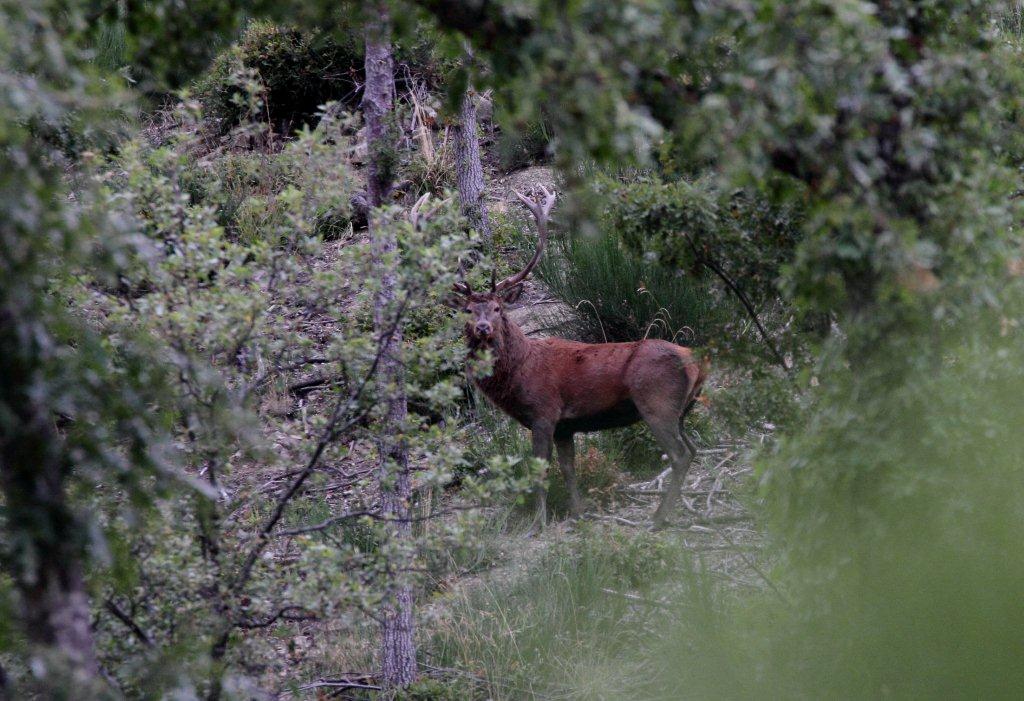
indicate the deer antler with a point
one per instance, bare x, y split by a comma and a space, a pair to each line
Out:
541, 210
414, 213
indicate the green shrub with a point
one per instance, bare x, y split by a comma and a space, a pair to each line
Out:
332, 223
295, 73
596, 474
633, 449
619, 295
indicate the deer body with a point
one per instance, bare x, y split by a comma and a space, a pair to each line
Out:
558, 388
584, 387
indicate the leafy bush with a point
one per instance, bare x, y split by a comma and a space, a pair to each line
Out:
295, 72
684, 223
247, 189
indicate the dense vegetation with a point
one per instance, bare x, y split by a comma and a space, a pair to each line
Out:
198, 442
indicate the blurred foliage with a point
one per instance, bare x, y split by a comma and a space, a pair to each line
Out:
895, 519
77, 411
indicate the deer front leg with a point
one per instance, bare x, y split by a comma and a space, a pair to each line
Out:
566, 446
543, 434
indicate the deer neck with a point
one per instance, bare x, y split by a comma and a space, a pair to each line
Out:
509, 356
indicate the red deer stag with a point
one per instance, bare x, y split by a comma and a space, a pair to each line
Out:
557, 388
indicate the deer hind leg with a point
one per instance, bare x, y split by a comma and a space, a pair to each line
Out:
566, 446
665, 425
681, 452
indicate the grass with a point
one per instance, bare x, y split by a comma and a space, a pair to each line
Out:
557, 632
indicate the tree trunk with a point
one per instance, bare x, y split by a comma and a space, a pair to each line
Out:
469, 172
44, 560
398, 648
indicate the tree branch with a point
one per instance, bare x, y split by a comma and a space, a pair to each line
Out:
742, 297
111, 606
328, 435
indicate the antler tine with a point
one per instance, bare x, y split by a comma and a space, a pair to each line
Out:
541, 210
414, 213
462, 286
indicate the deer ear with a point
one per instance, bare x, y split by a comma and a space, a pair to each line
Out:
512, 294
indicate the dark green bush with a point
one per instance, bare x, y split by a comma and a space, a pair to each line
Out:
527, 144
620, 295
296, 72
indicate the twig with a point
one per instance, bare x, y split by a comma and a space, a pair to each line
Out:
636, 598
755, 567
338, 684
129, 622
329, 434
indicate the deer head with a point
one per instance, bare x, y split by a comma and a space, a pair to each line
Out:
485, 309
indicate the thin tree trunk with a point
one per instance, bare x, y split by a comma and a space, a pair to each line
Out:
469, 172
45, 563
398, 648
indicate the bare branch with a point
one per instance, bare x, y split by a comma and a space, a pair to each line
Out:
744, 300
330, 432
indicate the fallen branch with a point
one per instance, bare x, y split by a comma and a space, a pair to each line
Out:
340, 684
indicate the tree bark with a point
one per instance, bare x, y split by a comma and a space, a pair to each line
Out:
469, 172
398, 648
44, 558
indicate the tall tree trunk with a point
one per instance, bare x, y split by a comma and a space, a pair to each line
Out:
44, 560
398, 647
469, 172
